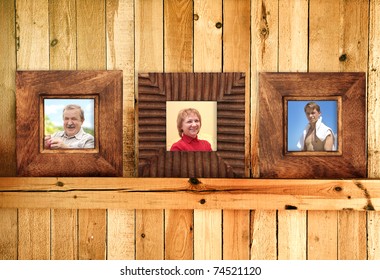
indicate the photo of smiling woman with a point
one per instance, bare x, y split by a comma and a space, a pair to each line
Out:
189, 123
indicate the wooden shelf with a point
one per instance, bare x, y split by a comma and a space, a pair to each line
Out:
184, 193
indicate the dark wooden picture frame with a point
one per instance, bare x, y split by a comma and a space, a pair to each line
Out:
349, 91
105, 87
227, 89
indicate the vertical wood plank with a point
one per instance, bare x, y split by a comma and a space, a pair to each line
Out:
323, 56
34, 234
264, 231
179, 234
292, 235
7, 89
92, 234
8, 234
207, 235
62, 32
264, 57
91, 55
338, 42
236, 55
149, 235
32, 34
91, 41
8, 217
64, 234
322, 235
32, 28
149, 58
352, 233
373, 94
121, 234
207, 36
208, 58
293, 52
236, 231
149, 32
120, 55
178, 37
373, 97
293, 39
373, 235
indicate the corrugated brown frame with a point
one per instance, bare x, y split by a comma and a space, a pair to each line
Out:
33, 86
227, 89
275, 162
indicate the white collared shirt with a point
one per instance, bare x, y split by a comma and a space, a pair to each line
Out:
79, 141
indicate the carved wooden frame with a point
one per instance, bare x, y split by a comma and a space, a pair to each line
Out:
227, 89
105, 87
348, 89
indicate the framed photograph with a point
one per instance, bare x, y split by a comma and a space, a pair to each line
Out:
312, 125
69, 123
191, 125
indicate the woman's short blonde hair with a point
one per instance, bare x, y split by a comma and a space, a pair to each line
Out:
182, 114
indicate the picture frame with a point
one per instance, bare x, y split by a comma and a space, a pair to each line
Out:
348, 90
104, 88
226, 89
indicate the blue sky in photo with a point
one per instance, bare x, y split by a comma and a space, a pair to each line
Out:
53, 108
297, 120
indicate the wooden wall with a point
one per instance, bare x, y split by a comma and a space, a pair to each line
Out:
185, 36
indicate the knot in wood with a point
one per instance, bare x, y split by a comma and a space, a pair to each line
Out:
338, 189
54, 42
202, 201
59, 184
195, 16
343, 57
218, 25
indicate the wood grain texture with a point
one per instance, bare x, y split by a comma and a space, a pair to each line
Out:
178, 36
264, 235
291, 235
236, 55
322, 235
120, 234
33, 234
207, 235
179, 234
92, 234
373, 226
8, 217
120, 55
32, 33
142, 193
105, 87
373, 97
228, 89
64, 234
7, 88
236, 235
149, 31
149, 235
91, 54
8, 234
62, 34
352, 234
179, 224
373, 129
292, 57
91, 42
275, 162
